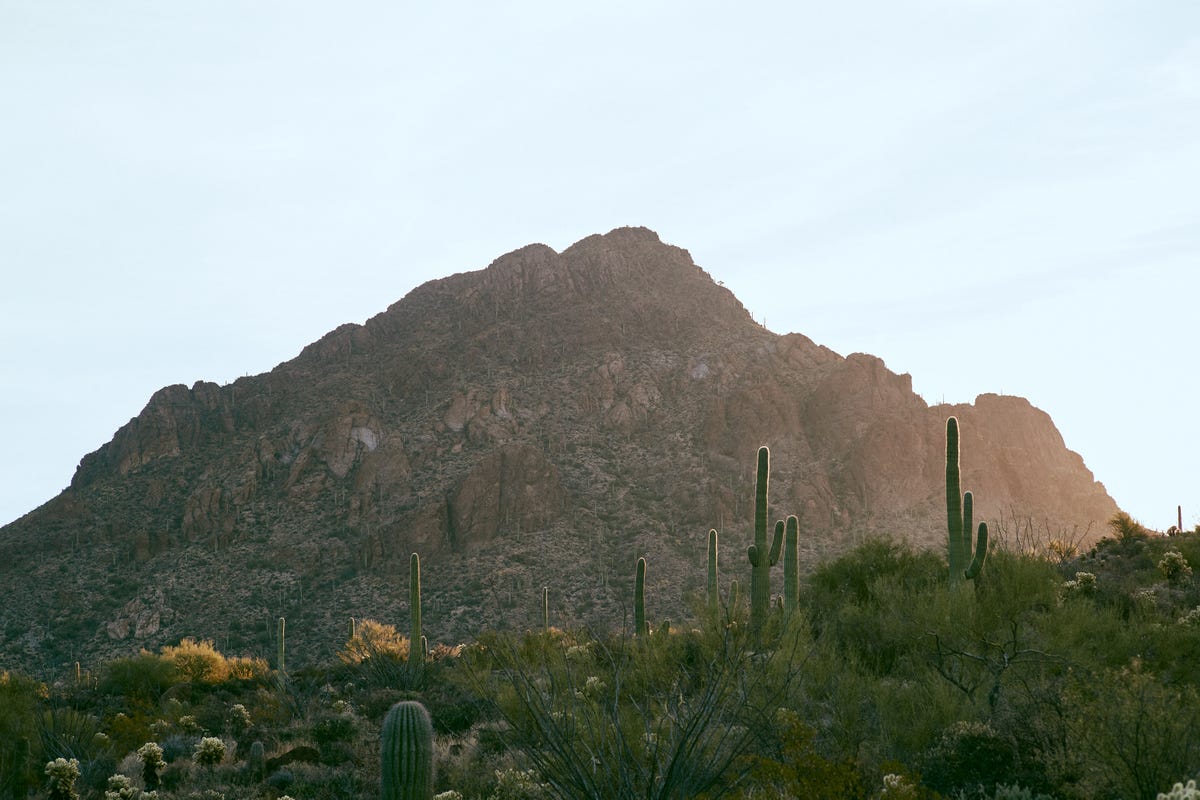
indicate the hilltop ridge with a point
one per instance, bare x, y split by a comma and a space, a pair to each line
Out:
541, 421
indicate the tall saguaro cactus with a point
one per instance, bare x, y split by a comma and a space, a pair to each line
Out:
761, 560
279, 663
713, 592
963, 562
406, 763
545, 609
415, 656
791, 567
639, 600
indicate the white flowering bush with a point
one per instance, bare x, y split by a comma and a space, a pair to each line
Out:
448, 795
209, 751
1181, 792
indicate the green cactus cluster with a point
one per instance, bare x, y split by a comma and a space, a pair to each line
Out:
406, 757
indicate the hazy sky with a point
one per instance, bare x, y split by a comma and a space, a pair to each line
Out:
992, 195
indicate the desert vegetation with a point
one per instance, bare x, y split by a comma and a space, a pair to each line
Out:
999, 671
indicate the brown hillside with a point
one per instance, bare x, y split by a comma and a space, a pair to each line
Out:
543, 421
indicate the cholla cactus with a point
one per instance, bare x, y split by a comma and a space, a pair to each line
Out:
1174, 566
63, 773
1084, 584
516, 784
898, 787
209, 751
1181, 792
239, 719
1191, 618
152, 764
120, 788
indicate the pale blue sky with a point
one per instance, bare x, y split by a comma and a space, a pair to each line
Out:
992, 195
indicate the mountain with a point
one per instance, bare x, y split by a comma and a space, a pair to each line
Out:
543, 421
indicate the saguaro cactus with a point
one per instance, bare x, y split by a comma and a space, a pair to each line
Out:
791, 567
761, 560
279, 662
640, 628
256, 762
546, 608
713, 592
406, 763
415, 656
963, 563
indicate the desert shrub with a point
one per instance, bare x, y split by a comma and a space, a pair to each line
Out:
518, 784
969, 755
20, 699
787, 764
1130, 733
198, 662
620, 724
143, 677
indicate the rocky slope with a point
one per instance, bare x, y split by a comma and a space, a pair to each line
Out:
543, 421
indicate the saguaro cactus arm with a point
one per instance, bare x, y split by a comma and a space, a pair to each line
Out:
791, 566
981, 547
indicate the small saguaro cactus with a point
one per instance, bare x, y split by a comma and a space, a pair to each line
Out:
279, 644
415, 655
353, 629
791, 567
406, 762
639, 600
545, 608
761, 560
256, 762
713, 592
963, 563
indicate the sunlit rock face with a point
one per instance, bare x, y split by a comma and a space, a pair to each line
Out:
541, 422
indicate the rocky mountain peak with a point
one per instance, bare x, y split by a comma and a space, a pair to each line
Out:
539, 422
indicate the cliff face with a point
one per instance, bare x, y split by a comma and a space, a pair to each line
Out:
540, 422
